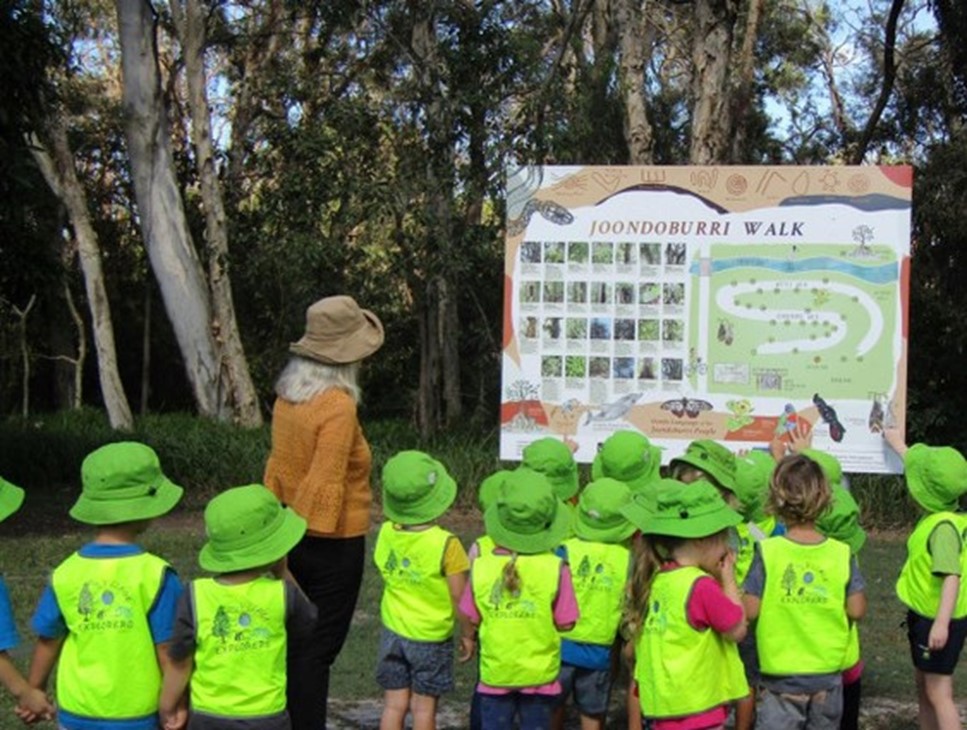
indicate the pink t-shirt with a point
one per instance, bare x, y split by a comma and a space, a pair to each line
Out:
708, 608
565, 612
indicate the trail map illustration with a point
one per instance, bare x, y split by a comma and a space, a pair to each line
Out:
732, 303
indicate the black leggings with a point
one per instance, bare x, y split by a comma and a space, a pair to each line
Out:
330, 571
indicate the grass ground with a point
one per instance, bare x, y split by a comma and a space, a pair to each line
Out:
30, 547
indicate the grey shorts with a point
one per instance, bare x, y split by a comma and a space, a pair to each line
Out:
591, 689
790, 711
425, 667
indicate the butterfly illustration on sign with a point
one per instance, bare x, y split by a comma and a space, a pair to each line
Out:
683, 406
828, 414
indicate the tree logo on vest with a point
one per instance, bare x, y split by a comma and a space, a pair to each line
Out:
240, 627
596, 578
656, 620
803, 583
105, 607
401, 569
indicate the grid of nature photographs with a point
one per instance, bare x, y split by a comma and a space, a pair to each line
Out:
610, 310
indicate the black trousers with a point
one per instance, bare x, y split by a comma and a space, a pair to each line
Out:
330, 571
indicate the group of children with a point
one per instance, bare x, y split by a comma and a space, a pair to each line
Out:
727, 584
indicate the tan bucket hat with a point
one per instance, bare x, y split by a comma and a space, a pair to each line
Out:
339, 331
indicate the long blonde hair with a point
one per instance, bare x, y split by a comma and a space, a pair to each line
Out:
303, 379
649, 552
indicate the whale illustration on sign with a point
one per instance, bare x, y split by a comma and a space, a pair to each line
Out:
615, 410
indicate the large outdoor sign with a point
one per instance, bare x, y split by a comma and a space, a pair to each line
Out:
731, 303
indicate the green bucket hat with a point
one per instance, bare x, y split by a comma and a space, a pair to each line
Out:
629, 457
527, 517
553, 459
713, 459
842, 520
689, 511
123, 482
416, 488
248, 527
936, 476
489, 487
752, 474
11, 497
599, 515
830, 465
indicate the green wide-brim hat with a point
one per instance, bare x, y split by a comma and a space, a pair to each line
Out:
629, 457
553, 458
752, 474
416, 488
598, 516
842, 520
713, 459
832, 469
690, 510
11, 497
248, 528
936, 476
123, 482
527, 517
489, 487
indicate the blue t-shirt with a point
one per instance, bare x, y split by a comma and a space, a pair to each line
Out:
9, 638
48, 622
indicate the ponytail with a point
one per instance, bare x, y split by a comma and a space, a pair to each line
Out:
511, 578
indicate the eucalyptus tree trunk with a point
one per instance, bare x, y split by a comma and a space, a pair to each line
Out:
634, 52
190, 24
713, 28
440, 353
743, 86
57, 167
161, 211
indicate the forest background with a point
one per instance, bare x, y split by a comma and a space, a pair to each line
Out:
179, 180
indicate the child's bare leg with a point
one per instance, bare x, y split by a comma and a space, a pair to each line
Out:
939, 689
745, 712
634, 708
593, 722
423, 708
396, 702
557, 718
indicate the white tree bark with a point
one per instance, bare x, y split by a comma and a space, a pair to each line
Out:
190, 24
713, 29
631, 73
57, 167
161, 211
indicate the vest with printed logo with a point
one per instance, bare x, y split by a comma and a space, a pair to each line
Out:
519, 643
803, 627
918, 588
416, 600
600, 574
240, 647
682, 671
108, 666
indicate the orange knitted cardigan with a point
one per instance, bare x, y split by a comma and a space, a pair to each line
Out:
320, 463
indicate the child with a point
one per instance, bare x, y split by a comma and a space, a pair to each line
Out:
805, 589
32, 703
520, 595
109, 609
841, 522
232, 629
600, 552
930, 583
552, 458
424, 571
685, 613
629, 457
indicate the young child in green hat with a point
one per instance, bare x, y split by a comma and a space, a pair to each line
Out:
552, 458
684, 615
841, 522
601, 554
107, 613
424, 570
931, 583
232, 630
629, 457
520, 595
804, 589
32, 702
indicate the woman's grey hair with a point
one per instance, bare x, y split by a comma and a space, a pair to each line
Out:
303, 379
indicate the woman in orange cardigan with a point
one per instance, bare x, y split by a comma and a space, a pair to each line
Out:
319, 466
